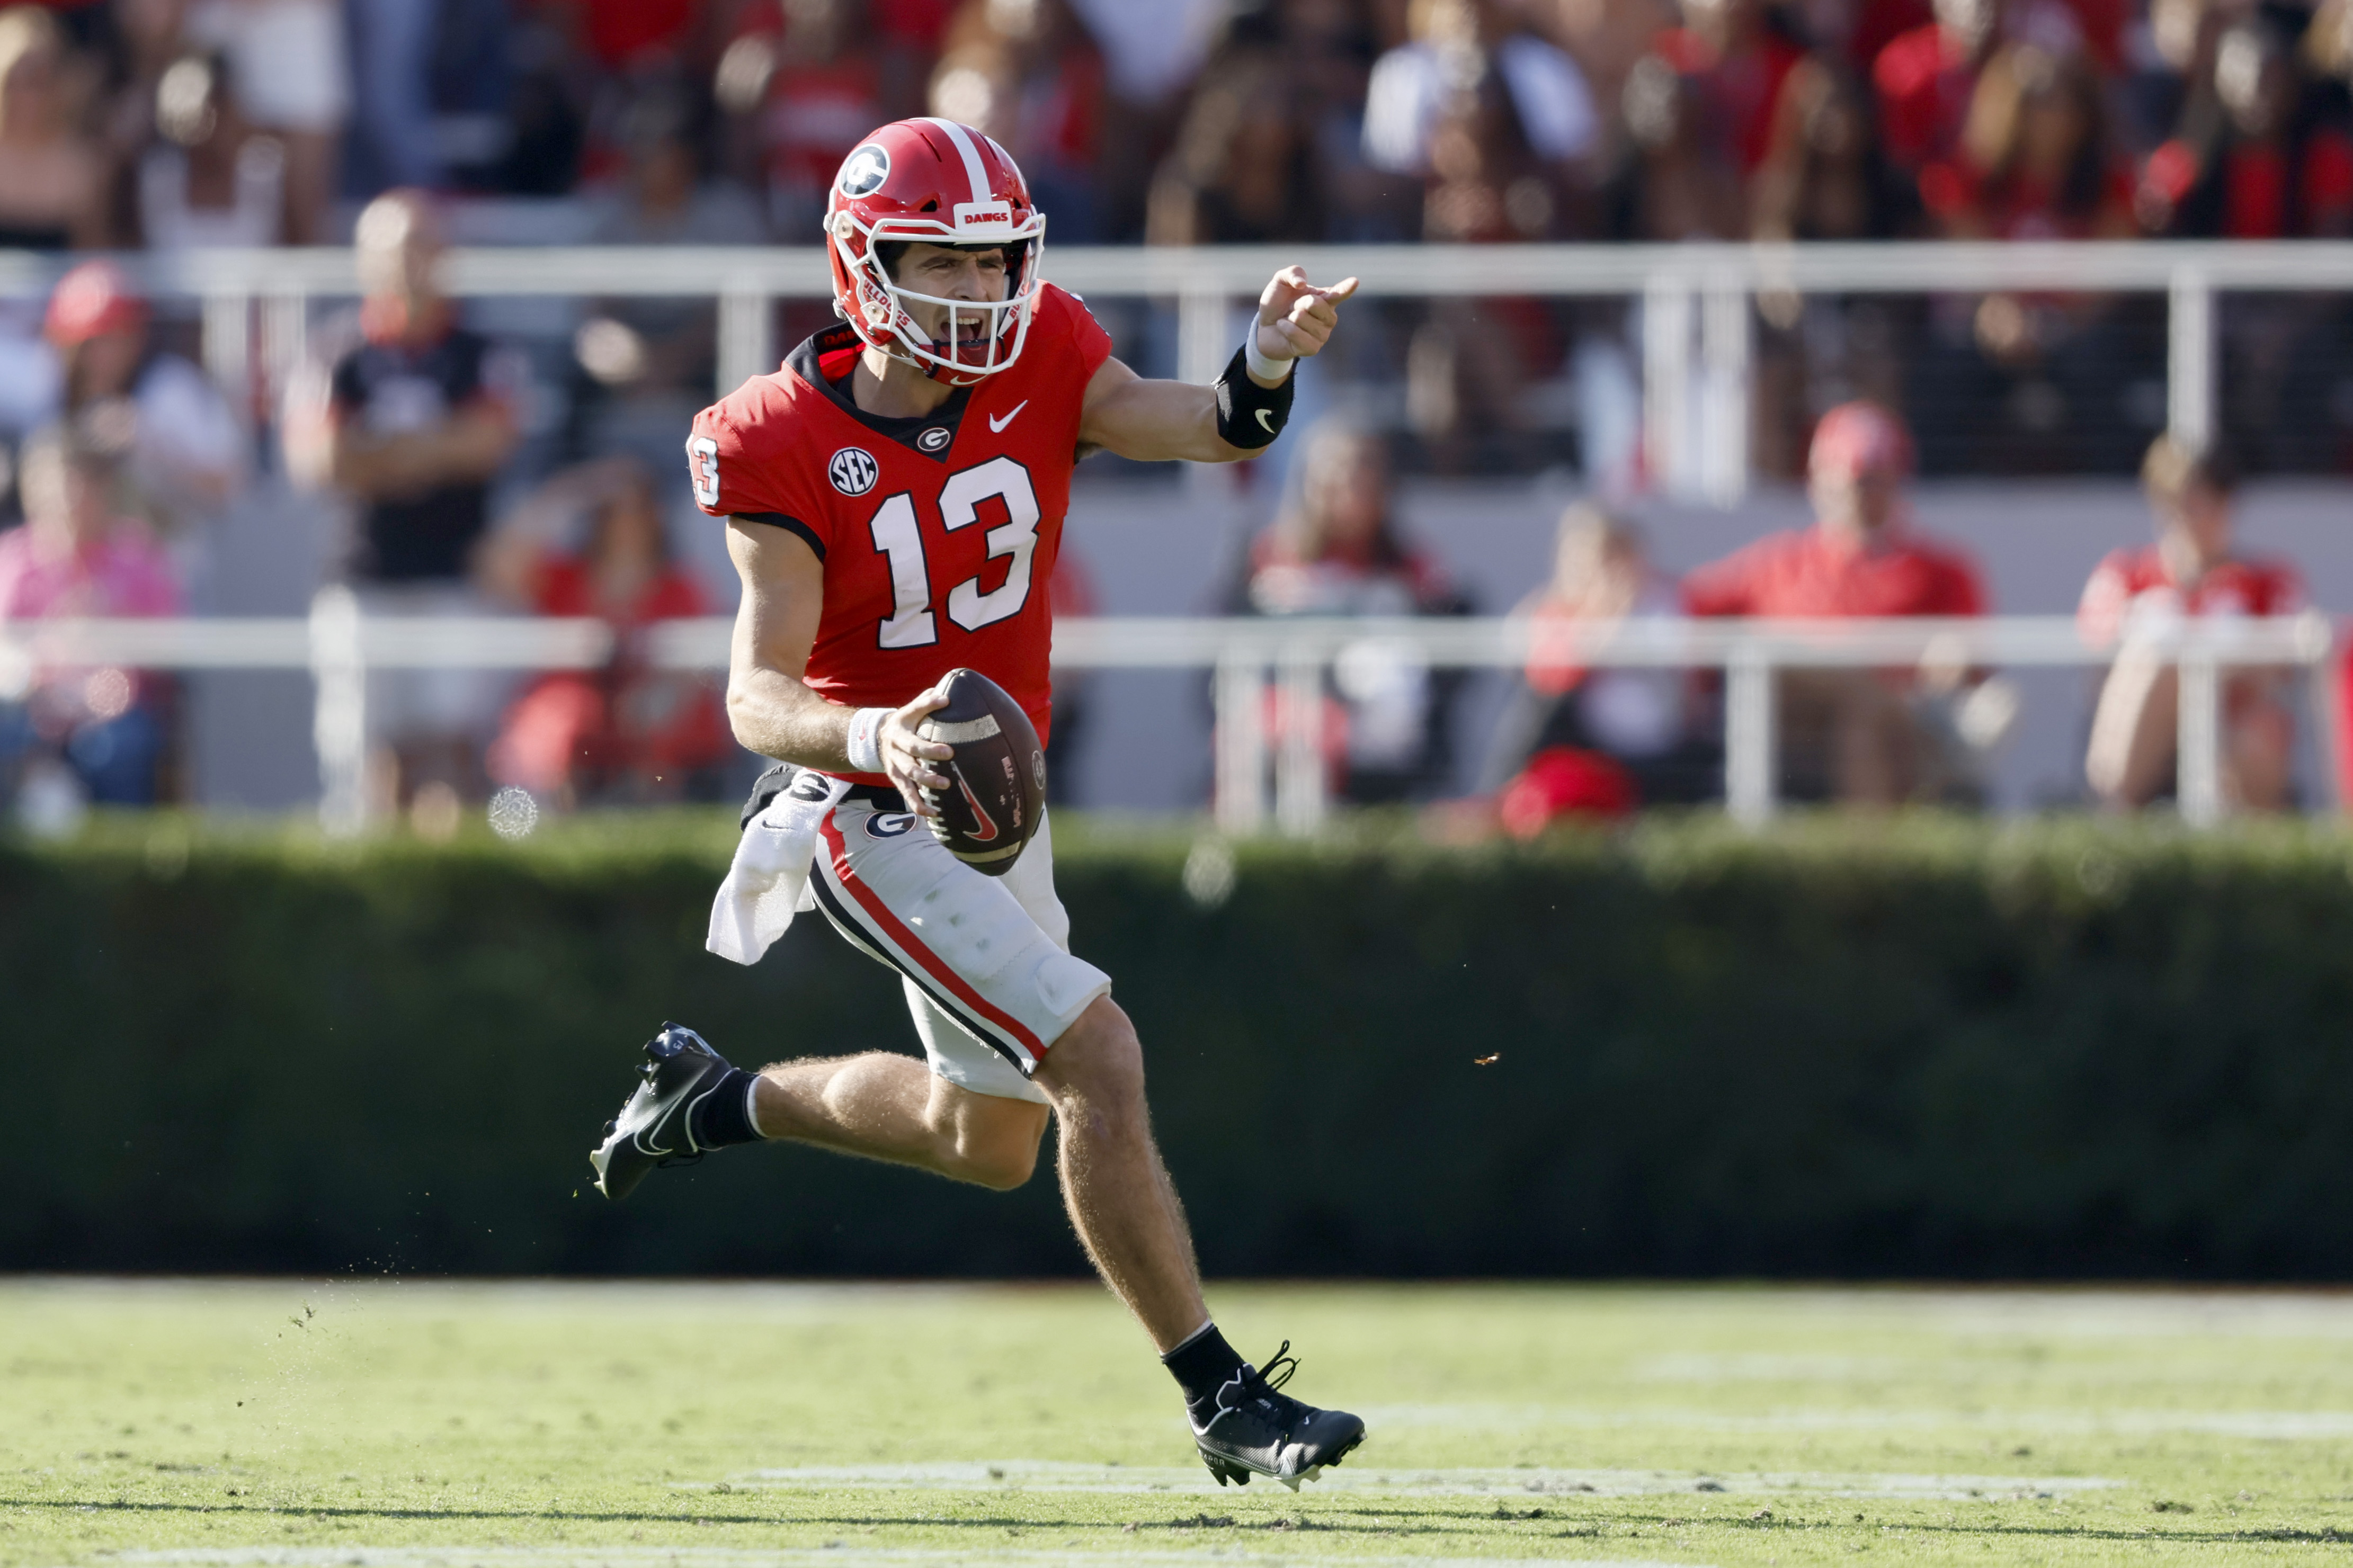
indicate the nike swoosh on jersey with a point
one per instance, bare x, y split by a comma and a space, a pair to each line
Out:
1264, 423
996, 426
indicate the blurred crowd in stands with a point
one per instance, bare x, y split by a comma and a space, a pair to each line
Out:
1579, 741
173, 122
483, 472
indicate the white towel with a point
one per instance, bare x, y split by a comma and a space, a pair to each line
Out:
768, 882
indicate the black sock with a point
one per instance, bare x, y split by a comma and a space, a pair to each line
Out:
1202, 1365
723, 1116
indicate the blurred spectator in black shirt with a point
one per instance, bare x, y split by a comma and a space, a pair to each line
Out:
417, 419
2243, 163
53, 183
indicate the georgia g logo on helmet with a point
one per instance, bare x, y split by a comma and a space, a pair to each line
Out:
933, 182
863, 172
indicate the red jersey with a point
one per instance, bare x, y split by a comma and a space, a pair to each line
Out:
1744, 90
1924, 87
565, 585
939, 534
1804, 574
2134, 582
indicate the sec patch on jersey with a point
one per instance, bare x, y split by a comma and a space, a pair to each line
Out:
996, 779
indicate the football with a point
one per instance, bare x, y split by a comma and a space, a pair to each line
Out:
997, 780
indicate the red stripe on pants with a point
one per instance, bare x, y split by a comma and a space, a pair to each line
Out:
914, 947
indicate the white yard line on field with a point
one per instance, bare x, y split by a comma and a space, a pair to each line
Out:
834, 1555
1045, 1475
2302, 1424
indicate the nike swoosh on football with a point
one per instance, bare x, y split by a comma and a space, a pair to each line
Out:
996, 425
985, 826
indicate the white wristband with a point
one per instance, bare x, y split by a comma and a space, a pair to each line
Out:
865, 746
1259, 365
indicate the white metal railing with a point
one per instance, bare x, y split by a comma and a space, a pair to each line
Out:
338, 645
1696, 328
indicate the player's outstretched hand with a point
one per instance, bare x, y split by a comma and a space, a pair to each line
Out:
907, 756
1296, 317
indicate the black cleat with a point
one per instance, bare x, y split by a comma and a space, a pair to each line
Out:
1258, 1431
653, 1129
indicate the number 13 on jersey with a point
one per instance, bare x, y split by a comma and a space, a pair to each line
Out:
899, 537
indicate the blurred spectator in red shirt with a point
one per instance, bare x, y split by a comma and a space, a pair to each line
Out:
1638, 724
628, 731
1859, 30
1925, 79
76, 556
1853, 735
812, 91
1739, 67
1335, 551
2037, 160
2239, 166
53, 185
1025, 72
2136, 597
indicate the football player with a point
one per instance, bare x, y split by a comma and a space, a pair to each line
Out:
894, 497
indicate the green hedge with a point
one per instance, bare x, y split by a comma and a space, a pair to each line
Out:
1912, 1047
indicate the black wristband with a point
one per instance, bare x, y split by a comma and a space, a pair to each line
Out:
1251, 415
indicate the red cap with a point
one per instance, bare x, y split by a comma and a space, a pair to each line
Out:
94, 298
1857, 438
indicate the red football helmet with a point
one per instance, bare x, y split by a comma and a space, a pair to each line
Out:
944, 184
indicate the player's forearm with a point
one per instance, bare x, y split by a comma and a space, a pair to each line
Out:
779, 717
1162, 422
470, 448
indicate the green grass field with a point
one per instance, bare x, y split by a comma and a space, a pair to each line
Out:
429, 1425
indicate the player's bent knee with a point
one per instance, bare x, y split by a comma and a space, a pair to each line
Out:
1098, 1060
994, 1142
1001, 1169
